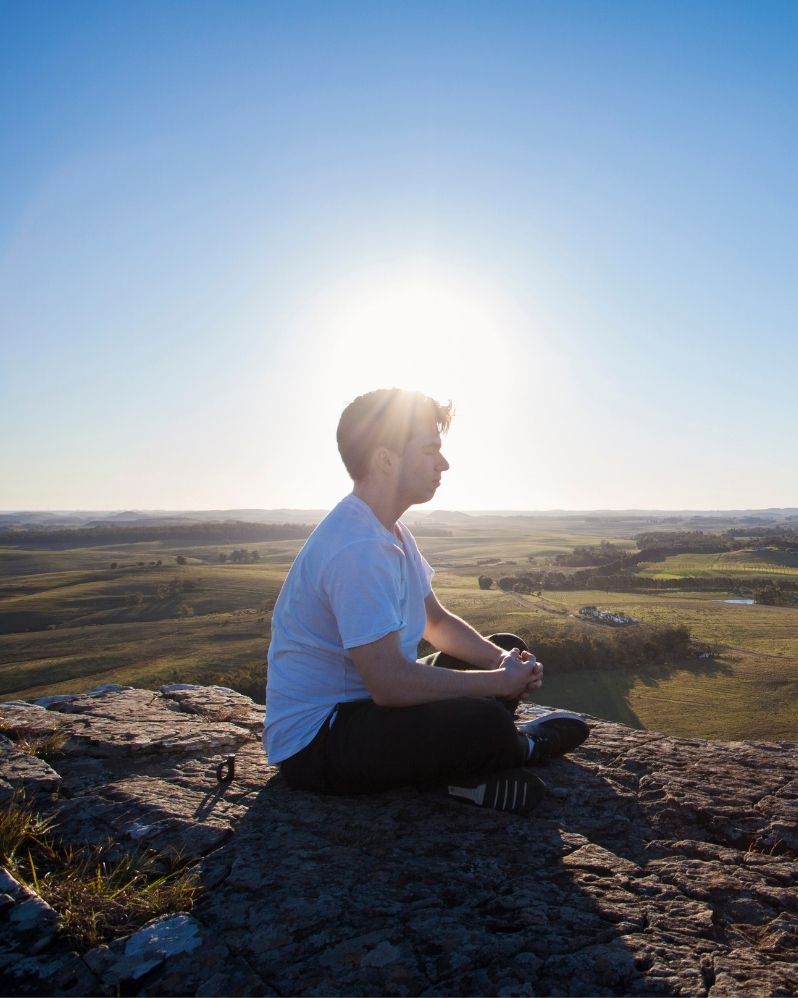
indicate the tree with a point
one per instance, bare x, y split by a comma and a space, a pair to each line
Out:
180, 560
770, 594
485, 581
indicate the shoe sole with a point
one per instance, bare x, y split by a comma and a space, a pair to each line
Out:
553, 715
568, 732
515, 791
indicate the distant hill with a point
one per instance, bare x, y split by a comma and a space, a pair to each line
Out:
127, 532
152, 518
449, 516
713, 519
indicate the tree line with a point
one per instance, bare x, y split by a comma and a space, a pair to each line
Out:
660, 543
234, 531
571, 646
564, 646
535, 581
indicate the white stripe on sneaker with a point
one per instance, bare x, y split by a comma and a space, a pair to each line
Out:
476, 794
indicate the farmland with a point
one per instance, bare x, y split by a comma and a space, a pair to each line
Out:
172, 610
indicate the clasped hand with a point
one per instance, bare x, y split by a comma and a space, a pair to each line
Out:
523, 672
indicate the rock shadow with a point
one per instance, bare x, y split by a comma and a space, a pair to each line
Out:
634, 876
407, 893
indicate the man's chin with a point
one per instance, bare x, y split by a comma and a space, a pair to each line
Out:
425, 497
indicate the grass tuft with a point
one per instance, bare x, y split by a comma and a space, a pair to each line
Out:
97, 895
21, 828
47, 746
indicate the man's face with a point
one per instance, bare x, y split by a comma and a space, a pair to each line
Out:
421, 466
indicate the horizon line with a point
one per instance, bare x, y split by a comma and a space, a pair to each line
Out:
436, 509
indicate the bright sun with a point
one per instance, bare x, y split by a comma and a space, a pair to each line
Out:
447, 331
422, 327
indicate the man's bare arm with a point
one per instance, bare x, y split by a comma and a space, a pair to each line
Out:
394, 681
449, 633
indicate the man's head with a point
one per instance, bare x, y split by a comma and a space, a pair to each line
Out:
386, 418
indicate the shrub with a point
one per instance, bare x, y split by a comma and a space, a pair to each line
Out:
573, 646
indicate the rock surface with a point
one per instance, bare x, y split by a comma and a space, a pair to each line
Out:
655, 865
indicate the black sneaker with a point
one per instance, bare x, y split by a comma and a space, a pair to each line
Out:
513, 790
553, 735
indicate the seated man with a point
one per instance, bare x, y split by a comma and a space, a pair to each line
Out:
349, 708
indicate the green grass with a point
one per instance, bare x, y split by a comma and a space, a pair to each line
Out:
512, 547
742, 564
95, 636
72, 627
731, 698
749, 691
215, 648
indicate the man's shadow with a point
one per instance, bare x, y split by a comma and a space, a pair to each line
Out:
410, 893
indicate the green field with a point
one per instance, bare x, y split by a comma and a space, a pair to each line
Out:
767, 563
68, 621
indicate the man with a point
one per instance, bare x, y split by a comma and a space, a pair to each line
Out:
349, 708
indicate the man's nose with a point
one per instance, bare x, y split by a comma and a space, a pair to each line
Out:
443, 464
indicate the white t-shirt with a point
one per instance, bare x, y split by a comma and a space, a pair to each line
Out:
352, 583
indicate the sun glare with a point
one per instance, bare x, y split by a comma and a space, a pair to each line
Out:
449, 332
424, 328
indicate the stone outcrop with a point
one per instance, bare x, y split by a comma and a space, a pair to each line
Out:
655, 865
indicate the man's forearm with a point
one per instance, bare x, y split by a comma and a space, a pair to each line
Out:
450, 634
415, 683
394, 681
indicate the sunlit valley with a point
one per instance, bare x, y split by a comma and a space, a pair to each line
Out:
685, 623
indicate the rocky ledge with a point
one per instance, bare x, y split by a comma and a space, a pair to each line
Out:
655, 865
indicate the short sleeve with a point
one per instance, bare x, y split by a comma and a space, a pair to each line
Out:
423, 568
363, 583
427, 572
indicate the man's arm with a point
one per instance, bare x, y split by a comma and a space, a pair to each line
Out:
394, 681
449, 633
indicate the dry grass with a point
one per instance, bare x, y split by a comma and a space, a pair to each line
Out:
97, 897
21, 828
44, 746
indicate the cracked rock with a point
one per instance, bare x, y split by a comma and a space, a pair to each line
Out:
653, 866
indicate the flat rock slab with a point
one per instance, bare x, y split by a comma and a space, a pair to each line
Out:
21, 772
654, 865
29, 924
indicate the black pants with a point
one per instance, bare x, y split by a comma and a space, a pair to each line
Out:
364, 748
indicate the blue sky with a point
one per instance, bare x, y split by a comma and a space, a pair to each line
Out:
219, 222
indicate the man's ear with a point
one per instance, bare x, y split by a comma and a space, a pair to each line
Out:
383, 459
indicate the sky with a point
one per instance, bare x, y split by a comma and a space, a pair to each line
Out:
222, 221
